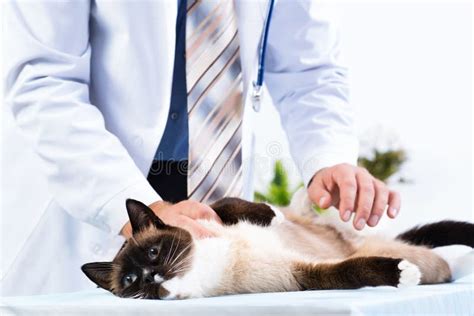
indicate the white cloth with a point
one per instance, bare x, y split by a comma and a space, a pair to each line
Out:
442, 299
87, 96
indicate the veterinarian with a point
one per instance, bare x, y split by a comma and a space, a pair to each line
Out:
152, 100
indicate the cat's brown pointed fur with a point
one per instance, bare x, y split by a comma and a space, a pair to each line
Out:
259, 250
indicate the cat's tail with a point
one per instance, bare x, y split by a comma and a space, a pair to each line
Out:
442, 233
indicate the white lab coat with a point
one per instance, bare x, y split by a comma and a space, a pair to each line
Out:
87, 87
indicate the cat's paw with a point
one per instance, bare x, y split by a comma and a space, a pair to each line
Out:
168, 293
410, 274
279, 216
179, 288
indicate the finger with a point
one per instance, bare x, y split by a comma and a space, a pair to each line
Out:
193, 227
365, 200
380, 202
318, 193
394, 203
208, 213
347, 185
196, 210
191, 209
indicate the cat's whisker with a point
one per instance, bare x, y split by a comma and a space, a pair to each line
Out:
181, 253
172, 269
171, 249
136, 294
168, 257
178, 266
177, 246
181, 269
181, 266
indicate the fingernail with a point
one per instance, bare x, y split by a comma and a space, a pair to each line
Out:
393, 211
346, 216
360, 224
322, 201
373, 220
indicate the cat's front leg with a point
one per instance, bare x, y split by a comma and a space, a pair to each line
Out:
355, 273
233, 210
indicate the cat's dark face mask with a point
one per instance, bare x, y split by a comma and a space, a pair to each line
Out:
156, 252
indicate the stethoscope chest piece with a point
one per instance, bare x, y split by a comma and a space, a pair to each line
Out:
256, 97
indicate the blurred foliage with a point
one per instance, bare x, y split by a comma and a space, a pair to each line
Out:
382, 165
278, 191
385, 164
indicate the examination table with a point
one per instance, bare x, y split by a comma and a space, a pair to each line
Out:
456, 298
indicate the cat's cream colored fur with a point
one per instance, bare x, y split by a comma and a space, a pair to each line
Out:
249, 258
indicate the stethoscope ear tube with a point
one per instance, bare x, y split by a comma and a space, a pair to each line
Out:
257, 84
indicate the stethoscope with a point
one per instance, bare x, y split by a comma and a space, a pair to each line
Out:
258, 83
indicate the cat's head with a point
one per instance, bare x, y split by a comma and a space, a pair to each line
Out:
155, 253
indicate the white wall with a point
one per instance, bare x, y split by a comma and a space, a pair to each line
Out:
411, 75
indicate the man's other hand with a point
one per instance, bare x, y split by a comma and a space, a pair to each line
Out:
353, 190
183, 215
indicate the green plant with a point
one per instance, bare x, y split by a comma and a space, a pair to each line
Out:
278, 191
385, 164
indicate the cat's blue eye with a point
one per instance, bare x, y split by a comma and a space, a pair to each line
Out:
129, 279
153, 253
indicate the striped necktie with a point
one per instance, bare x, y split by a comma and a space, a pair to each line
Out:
215, 107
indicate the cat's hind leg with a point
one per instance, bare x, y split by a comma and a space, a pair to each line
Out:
434, 269
355, 273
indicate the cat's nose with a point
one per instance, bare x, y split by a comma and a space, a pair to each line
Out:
148, 276
147, 279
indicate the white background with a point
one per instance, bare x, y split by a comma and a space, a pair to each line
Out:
411, 81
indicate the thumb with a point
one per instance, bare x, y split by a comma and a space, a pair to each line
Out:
319, 195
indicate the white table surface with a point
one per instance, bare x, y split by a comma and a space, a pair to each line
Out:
455, 298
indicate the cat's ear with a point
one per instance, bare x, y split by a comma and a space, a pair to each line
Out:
100, 273
141, 216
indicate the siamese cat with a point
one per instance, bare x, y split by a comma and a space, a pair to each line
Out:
260, 249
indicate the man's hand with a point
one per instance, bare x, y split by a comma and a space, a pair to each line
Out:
183, 215
353, 189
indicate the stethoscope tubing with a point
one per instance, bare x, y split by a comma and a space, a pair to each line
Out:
257, 84
263, 45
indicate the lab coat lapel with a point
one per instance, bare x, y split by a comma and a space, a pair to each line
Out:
250, 16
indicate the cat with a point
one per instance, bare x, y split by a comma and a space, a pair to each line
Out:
261, 249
